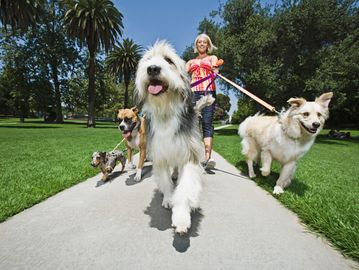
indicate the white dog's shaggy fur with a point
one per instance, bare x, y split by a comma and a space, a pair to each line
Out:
285, 138
174, 141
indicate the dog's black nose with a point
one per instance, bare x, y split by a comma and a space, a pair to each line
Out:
153, 70
316, 124
122, 127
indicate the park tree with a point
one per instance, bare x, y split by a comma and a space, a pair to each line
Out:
245, 108
223, 105
122, 62
55, 52
47, 58
299, 48
19, 14
16, 78
96, 23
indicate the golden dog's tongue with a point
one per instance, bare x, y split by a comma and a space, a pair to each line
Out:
154, 89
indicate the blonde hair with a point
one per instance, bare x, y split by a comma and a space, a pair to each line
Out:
211, 47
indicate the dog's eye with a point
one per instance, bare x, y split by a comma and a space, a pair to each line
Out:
306, 114
169, 61
319, 114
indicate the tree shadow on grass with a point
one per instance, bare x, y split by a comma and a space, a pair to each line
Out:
323, 139
43, 124
161, 220
27, 127
268, 183
227, 131
103, 127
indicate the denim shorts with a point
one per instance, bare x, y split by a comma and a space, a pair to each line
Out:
207, 113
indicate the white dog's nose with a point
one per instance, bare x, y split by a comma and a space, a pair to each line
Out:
153, 70
316, 125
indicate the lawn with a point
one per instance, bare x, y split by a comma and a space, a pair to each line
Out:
39, 159
325, 190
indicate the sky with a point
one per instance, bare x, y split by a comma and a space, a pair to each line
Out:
176, 21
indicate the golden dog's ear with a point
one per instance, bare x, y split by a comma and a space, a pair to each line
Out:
119, 113
134, 109
296, 101
324, 99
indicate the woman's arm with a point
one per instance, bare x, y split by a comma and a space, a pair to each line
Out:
214, 60
188, 65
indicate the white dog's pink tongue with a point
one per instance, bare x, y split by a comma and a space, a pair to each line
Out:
154, 89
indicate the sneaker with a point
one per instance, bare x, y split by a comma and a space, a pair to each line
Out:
210, 164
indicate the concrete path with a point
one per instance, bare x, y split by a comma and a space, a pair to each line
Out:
121, 225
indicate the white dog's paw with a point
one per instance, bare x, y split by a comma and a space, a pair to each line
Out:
252, 175
166, 202
181, 221
277, 190
265, 173
138, 175
131, 166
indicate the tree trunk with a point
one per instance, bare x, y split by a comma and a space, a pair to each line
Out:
59, 116
127, 83
23, 109
91, 91
126, 96
55, 76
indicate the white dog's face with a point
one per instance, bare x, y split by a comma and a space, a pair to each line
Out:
160, 72
311, 115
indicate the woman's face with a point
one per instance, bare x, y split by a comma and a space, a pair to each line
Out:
202, 45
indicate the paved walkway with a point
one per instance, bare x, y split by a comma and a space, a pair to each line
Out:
121, 225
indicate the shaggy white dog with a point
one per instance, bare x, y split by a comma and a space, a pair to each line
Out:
174, 141
285, 138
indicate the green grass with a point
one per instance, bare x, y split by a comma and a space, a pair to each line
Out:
325, 190
39, 159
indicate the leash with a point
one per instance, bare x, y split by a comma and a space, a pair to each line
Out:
240, 88
118, 144
244, 91
213, 75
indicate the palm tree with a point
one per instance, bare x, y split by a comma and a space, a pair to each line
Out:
97, 23
19, 14
122, 62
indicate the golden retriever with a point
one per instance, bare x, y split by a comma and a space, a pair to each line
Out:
285, 138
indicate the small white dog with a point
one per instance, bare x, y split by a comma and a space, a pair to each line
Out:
174, 141
285, 138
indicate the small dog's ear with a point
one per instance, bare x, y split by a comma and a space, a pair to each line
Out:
324, 99
296, 101
134, 109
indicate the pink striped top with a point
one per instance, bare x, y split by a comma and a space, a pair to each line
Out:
200, 71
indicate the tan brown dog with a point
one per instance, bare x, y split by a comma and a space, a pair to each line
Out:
133, 130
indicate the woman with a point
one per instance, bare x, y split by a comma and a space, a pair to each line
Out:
199, 68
